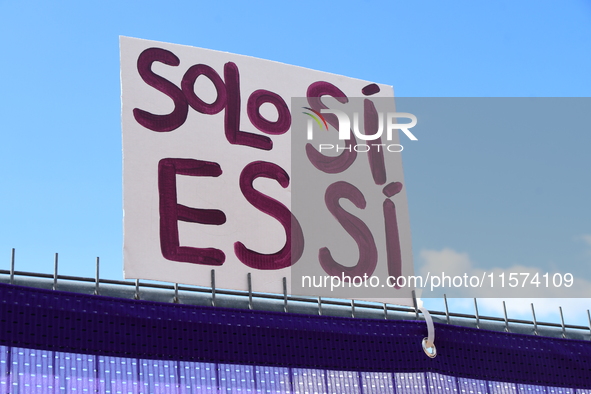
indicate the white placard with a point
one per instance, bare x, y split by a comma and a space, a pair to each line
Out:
196, 124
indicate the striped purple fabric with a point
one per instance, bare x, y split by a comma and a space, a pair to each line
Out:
101, 344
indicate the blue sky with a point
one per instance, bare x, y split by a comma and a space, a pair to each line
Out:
60, 111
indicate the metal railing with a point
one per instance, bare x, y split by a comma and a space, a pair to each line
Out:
212, 296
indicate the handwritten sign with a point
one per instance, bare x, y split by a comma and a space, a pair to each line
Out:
209, 148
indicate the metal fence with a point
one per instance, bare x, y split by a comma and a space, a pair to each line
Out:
212, 296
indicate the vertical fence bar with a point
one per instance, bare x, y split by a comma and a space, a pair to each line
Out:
212, 287
12, 267
562, 321
55, 272
320, 309
249, 279
175, 299
476, 313
533, 312
446, 308
284, 294
136, 296
415, 305
96, 282
506, 318
353, 308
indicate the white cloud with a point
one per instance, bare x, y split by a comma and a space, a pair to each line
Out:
586, 238
546, 300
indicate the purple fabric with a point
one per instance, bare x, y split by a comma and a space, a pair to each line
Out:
95, 325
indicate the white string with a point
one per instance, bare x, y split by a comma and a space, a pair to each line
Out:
429, 342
